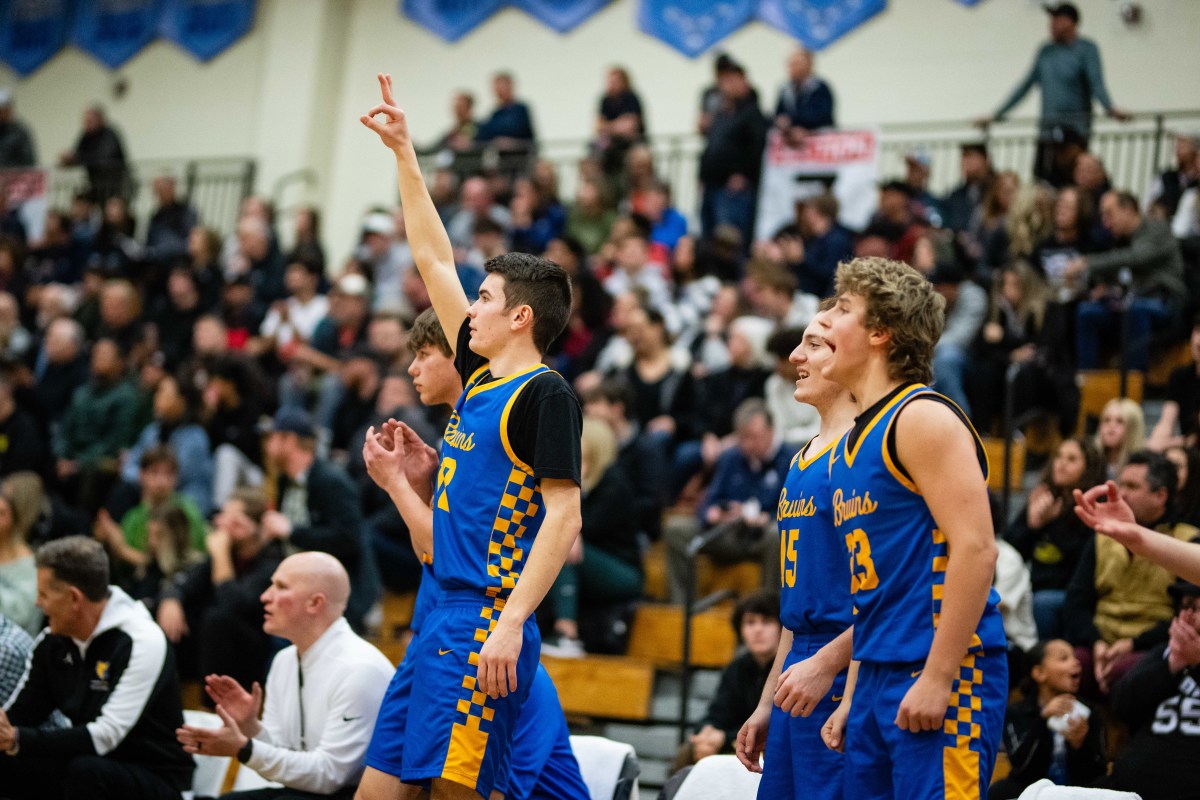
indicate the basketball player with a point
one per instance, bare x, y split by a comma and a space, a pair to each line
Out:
506, 504
543, 764
815, 606
910, 500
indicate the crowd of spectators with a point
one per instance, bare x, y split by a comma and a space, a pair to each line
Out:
197, 402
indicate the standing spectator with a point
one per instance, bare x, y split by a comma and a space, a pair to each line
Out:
1117, 605
1168, 188
1049, 535
510, 126
1149, 256
319, 506
120, 692
18, 577
959, 207
170, 225
1157, 700
620, 121
16, 143
1068, 73
1181, 411
461, 136
732, 156
328, 672
805, 102
213, 614
176, 425
100, 152
97, 426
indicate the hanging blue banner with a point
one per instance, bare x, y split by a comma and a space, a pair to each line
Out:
31, 32
206, 28
561, 15
450, 19
693, 26
817, 23
114, 31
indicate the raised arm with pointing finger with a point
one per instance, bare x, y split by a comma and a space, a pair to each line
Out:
427, 237
1114, 518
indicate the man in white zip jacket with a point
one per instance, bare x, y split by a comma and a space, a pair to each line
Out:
323, 692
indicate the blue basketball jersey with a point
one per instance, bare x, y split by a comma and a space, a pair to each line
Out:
897, 554
487, 505
814, 579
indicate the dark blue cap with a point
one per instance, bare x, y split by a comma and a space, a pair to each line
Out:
291, 419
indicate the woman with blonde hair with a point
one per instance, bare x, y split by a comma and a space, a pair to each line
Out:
1030, 220
18, 575
605, 564
1122, 430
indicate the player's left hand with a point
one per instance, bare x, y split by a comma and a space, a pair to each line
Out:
924, 705
498, 660
801, 687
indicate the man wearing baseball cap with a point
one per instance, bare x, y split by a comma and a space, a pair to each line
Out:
1067, 72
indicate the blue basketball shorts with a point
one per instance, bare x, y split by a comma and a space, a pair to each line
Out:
955, 763
543, 764
796, 762
454, 731
386, 750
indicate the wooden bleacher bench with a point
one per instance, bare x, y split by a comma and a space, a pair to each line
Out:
654, 570
657, 636
1098, 386
397, 614
994, 447
612, 687
1170, 358
738, 578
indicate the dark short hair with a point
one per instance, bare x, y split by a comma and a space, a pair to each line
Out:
427, 331
159, 454
540, 284
1160, 471
613, 390
763, 602
253, 500
1125, 199
784, 341
485, 225
79, 561
979, 148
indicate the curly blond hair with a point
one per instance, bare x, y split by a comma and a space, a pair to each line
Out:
902, 302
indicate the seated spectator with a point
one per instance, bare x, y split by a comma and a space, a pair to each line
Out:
293, 321
120, 694
46, 516
315, 366
1049, 535
97, 426
756, 620
537, 217
805, 102
476, 202
121, 320
925, 206
966, 309
985, 241
604, 566
1015, 588
319, 506
960, 206
1049, 733
213, 614
204, 259
1157, 700
771, 291
737, 514
167, 558
1163, 198
1117, 606
1074, 220
16, 343
1029, 222
306, 239
827, 243
23, 446
590, 218
510, 126
1020, 333
258, 259
170, 224
314, 744
578, 347
240, 312
619, 122
233, 401
177, 314
664, 393
1121, 432
55, 259
1090, 176
18, 577
633, 271
1153, 293
797, 422
1181, 410
667, 224
1187, 493
722, 391
639, 176
383, 256
157, 479
175, 425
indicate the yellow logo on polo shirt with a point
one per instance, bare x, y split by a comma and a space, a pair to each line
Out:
102, 670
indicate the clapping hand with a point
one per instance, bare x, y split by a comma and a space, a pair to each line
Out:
242, 706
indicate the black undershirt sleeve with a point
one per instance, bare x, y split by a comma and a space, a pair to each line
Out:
545, 428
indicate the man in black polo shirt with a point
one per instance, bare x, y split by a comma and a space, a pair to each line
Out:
106, 666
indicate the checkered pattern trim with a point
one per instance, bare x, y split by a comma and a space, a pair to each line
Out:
472, 703
941, 554
521, 502
963, 704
